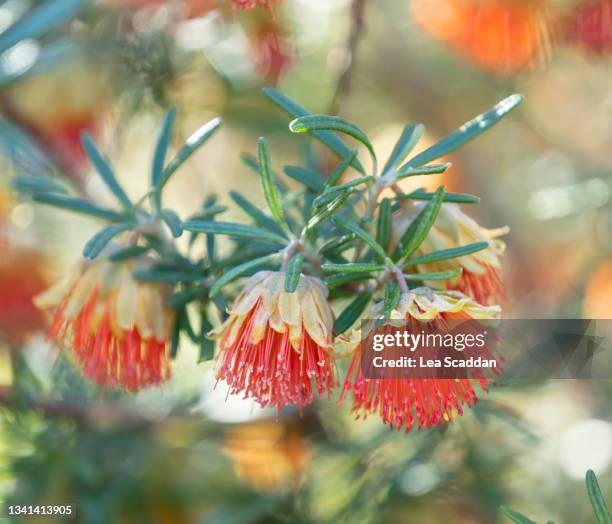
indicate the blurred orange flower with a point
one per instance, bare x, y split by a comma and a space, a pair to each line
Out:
590, 25
21, 279
598, 294
267, 456
501, 36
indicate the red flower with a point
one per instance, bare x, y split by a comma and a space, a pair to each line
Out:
429, 401
591, 25
21, 279
480, 277
275, 344
118, 328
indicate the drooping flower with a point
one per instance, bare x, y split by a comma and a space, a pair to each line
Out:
590, 26
118, 328
275, 344
480, 278
428, 401
267, 456
502, 36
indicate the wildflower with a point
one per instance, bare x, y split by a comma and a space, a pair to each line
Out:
21, 279
590, 25
429, 401
480, 278
118, 328
271, 51
267, 456
502, 36
275, 344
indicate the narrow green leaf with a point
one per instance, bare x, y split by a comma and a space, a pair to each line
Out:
185, 296
267, 182
416, 233
173, 222
437, 275
293, 272
597, 500
104, 170
30, 184
193, 143
207, 346
47, 16
128, 252
78, 206
466, 132
352, 312
446, 254
455, 198
346, 278
349, 185
354, 228
168, 275
393, 294
239, 270
310, 123
384, 224
327, 211
161, 148
336, 244
98, 242
409, 138
258, 216
515, 516
208, 212
431, 169
233, 230
341, 168
311, 179
353, 267
329, 138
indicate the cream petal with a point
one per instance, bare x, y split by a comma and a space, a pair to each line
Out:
55, 294
246, 301
82, 291
260, 325
144, 323
276, 322
313, 323
126, 302
289, 308
271, 290
295, 336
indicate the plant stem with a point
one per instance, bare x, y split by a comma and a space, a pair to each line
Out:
356, 31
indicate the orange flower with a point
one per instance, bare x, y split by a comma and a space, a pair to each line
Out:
267, 456
502, 36
275, 344
21, 279
271, 52
118, 328
480, 278
429, 401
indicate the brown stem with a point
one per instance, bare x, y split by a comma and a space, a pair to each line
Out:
356, 31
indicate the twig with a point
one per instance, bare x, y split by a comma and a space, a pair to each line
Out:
356, 31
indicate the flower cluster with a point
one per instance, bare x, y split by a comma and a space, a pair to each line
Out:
416, 257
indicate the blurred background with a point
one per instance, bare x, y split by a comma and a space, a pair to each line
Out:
185, 453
